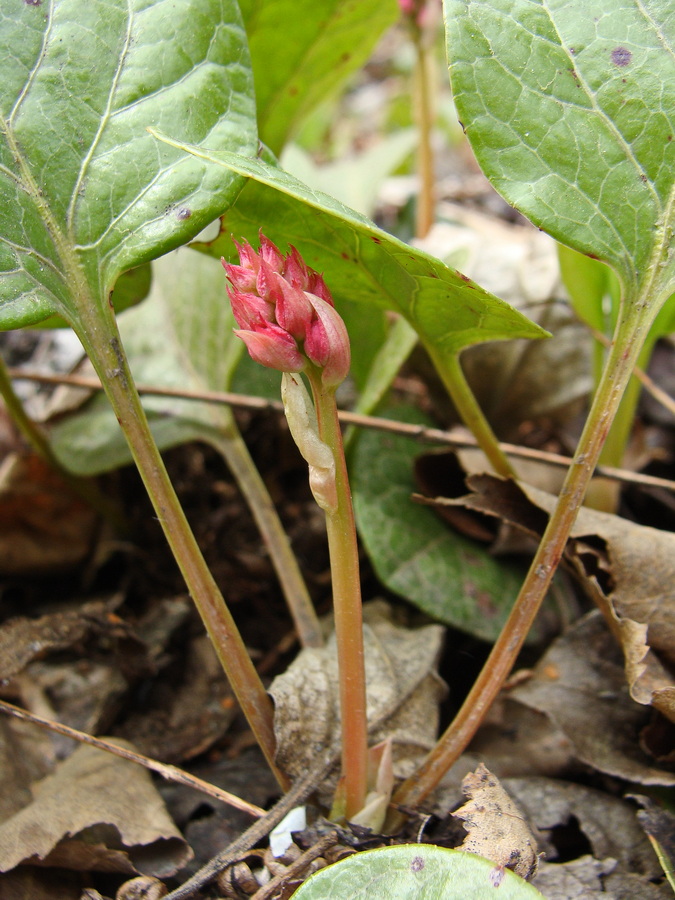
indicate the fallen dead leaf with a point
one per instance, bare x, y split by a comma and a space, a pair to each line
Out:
516, 740
579, 684
579, 879
403, 692
186, 719
659, 825
23, 639
607, 823
587, 878
627, 569
497, 827
25, 757
28, 883
95, 812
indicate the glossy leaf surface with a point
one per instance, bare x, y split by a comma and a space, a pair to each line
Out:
85, 192
414, 552
415, 872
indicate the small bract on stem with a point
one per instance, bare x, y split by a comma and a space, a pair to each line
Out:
288, 321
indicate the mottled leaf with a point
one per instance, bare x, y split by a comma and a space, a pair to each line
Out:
417, 555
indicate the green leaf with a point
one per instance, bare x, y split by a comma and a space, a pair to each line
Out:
415, 872
85, 192
415, 554
130, 288
362, 263
303, 50
570, 108
592, 287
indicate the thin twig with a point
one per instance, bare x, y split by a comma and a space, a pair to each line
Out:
170, 773
419, 433
297, 867
297, 794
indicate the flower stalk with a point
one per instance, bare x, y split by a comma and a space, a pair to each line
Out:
288, 322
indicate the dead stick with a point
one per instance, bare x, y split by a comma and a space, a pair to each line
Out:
298, 793
417, 432
297, 867
170, 773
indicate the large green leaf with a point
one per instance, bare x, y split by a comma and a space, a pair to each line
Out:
85, 191
570, 108
363, 263
414, 552
130, 288
302, 51
415, 872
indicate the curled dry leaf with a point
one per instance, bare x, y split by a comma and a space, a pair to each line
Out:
627, 569
587, 878
579, 879
497, 827
95, 812
142, 888
403, 693
580, 685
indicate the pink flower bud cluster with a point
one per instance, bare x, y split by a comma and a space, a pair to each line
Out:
285, 313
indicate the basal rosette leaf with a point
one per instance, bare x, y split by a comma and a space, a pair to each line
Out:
85, 192
570, 109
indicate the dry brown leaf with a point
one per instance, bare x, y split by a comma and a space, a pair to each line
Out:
628, 569
23, 639
516, 740
608, 823
95, 812
403, 692
579, 879
189, 717
28, 883
86, 696
25, 756
659, 824
580, 685
44, 526
497, 827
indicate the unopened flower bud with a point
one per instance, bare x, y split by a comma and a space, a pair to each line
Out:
285, 313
